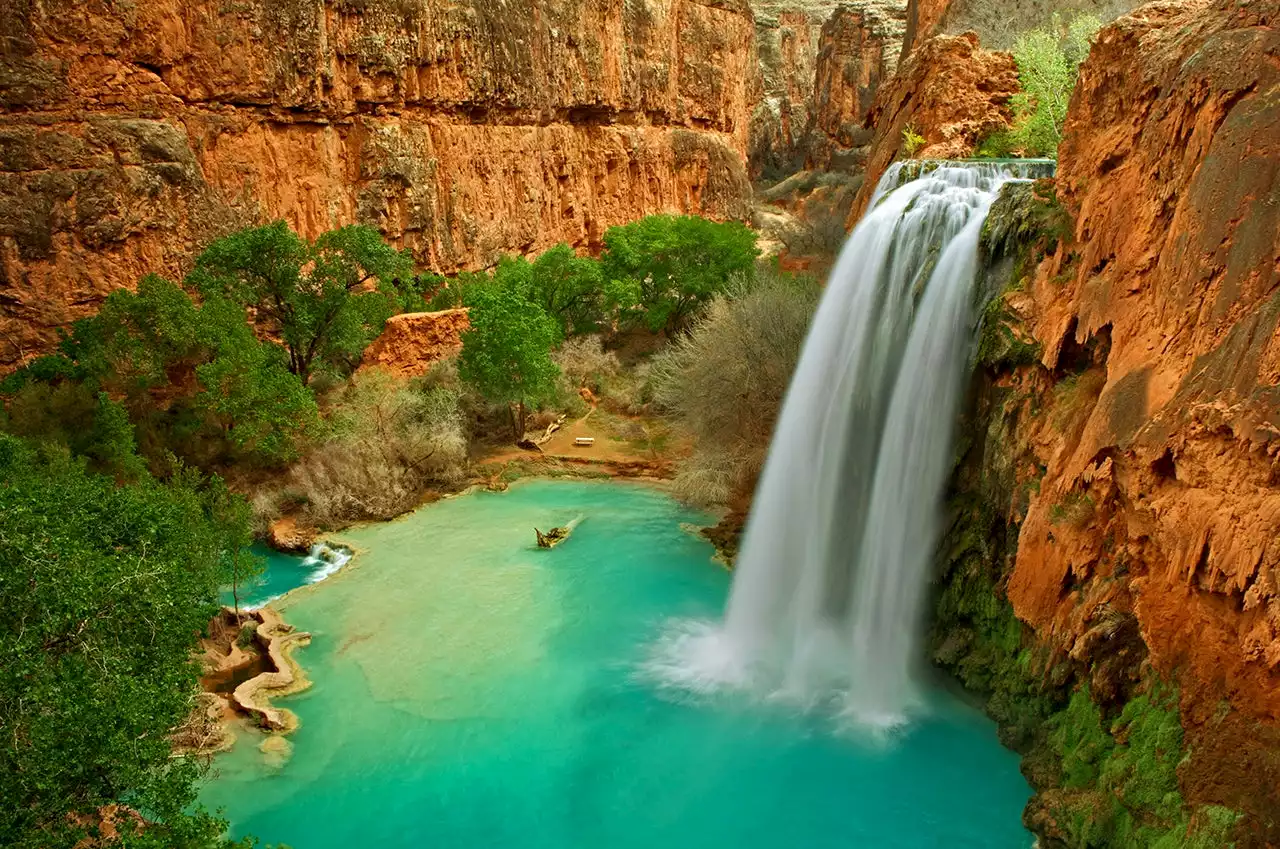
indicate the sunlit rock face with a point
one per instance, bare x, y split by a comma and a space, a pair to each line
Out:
951, 91
1152, 456
1170, 169
132, 133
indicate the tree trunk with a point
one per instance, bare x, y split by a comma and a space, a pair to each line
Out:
518, 418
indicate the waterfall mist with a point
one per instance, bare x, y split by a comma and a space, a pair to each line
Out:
827, 600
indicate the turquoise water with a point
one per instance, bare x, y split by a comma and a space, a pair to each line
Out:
284, 573
474, 691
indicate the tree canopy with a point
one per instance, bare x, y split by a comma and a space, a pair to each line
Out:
1048, 64
325, 300
102, 589
506, 354
664, 268
194, 379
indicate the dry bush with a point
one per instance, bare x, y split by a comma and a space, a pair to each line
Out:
628, 392
583, 361
390, 441
724, 382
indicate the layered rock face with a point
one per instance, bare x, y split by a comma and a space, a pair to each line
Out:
787, 56
133, 133
1136, 417
412, 342
858, 52
820, 66
949, 91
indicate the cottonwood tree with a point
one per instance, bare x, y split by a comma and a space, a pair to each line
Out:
193, 379
103, 589
665, 268
324, 300
506, 354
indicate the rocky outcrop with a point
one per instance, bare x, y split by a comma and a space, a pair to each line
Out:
285, 677
858, 52
1135, 422
413, 342
998, 25
951, 93
923, 19
132, 133
787, 56
287, 534
820, 65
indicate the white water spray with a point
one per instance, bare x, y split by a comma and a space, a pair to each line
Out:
827, 600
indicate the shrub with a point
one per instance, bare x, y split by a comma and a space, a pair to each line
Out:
389, 441
583, 361
724, 382
248, 631
1048, 64
912, 141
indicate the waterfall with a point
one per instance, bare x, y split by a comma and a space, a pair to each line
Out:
827, 600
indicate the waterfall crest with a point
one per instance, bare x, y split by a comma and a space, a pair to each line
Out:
827, 599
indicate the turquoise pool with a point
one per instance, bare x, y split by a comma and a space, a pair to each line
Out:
474, 691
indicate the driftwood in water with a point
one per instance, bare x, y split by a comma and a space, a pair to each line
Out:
551, 538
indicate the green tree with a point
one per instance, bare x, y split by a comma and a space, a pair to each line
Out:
177, 371
325, 300
102, 591
570, 288
506, 354
1048, 65
663, 269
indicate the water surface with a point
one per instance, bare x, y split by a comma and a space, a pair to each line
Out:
476, 692
285, 573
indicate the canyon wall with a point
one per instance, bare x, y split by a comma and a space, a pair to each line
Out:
132, 133
1123, 498
820, 66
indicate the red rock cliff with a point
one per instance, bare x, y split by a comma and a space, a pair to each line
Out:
1171, 164
1159, 433
133, 133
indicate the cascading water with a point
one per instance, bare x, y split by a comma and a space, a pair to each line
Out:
827, 598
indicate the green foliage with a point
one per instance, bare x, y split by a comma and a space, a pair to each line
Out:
102, 591
663, 269
1077, 735
193, 379
325, 300
999, 343
248, 632
1142, 771
1075, 509
1048, 63
506, 354
418, 293
912, 141
570, 288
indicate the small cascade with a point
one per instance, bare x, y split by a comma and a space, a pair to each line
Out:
827, 600
324, 560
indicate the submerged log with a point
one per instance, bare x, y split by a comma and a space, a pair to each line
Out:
551, 538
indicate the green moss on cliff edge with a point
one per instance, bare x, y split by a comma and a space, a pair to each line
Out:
1105, 772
